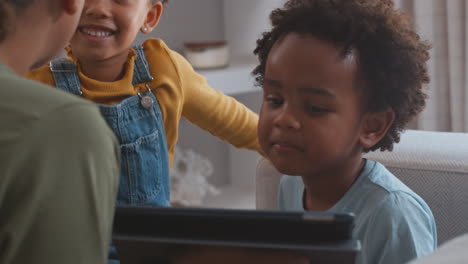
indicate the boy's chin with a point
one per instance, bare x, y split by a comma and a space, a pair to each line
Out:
287, 168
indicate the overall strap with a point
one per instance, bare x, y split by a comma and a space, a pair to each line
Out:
141, 72
65, 75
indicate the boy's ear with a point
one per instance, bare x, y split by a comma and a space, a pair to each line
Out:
375, 126
152, 18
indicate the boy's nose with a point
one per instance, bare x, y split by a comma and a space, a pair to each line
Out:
286, 118
97, 8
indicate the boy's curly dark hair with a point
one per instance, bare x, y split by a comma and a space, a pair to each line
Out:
391, 57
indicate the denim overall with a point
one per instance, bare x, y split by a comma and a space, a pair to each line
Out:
144, 172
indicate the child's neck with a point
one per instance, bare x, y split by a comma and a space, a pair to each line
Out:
108, 70
322, 192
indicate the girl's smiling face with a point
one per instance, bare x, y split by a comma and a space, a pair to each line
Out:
108, 28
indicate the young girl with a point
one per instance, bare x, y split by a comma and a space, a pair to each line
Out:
142, 93
333, 93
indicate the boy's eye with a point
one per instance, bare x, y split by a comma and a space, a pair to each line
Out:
316, 110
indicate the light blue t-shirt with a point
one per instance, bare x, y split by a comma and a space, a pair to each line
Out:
393, 223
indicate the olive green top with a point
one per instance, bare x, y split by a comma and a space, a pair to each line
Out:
58, 176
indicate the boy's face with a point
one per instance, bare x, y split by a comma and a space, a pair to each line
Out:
108, 28
311, 116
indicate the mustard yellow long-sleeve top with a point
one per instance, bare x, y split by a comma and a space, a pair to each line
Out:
180, 91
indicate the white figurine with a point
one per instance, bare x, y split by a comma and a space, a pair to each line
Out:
189, 175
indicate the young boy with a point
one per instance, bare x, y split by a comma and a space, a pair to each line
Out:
341, 78
58, 158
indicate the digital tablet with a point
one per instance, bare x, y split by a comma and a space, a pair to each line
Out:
165, 235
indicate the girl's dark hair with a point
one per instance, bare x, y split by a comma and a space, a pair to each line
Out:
391, 57
7, 9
